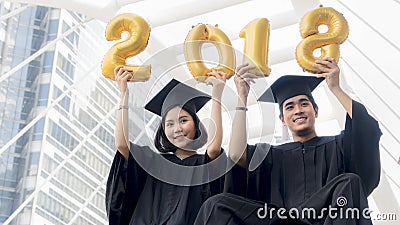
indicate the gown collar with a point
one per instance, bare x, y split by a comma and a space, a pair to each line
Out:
317, 140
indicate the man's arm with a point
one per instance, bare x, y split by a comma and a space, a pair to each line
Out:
238, 140
330, 71
361, 135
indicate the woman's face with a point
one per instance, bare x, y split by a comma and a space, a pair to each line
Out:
179, 127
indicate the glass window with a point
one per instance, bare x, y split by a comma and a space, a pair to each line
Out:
43, 94
34, 158
65, 101
38, 131
37, 40
66, 66
53, 27
28, 102
48, 61
62, 136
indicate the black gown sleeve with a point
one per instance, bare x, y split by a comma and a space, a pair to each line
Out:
235, 178
217, 166
361, 147
238, 178
124, 186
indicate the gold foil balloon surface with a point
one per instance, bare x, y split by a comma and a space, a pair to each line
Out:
139, 33
328, 42
256, 35
199, 35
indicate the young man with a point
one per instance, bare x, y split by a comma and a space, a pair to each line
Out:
312, 180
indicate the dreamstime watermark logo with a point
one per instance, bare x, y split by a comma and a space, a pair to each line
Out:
339, 212
341, 201
171, 63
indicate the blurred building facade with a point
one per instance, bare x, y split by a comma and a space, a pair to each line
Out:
61, 112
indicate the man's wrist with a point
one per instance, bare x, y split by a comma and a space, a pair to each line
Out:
242, 102
336, 90
241, 108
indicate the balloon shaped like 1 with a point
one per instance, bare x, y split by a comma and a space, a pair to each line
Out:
256, 35
199, 35
139, 33
338, 30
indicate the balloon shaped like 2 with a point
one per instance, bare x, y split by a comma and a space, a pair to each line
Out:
199, 35
139, 33
338, 30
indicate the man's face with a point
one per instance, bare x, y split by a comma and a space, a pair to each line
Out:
299, 115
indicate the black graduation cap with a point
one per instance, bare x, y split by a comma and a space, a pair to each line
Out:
175, 94
289, 86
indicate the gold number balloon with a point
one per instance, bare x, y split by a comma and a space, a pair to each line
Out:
256, 35
193, 43
328, 42
139, 33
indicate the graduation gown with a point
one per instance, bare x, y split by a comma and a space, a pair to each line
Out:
133, 196
319, 173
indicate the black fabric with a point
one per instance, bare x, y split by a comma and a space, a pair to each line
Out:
311, 174
135, 197
230, 209
175, 94
288, 86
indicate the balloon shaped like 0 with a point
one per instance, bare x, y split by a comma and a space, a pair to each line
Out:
196, 37
338, 30
139, 33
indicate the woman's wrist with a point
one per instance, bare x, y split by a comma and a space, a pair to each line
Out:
218, 90
217, 95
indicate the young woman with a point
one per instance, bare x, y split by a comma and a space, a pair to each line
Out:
138, 191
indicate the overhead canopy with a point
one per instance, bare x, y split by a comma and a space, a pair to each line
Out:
155, 11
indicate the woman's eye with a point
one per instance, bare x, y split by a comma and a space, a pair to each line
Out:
183, 121
169, 124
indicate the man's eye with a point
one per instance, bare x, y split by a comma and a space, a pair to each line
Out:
289, 107
304, 104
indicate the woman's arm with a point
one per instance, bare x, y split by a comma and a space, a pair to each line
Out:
215, 130
121, 131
